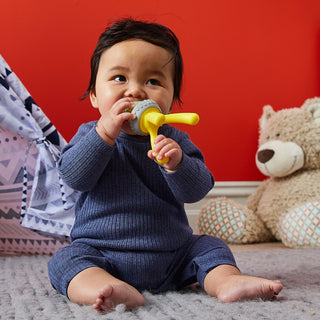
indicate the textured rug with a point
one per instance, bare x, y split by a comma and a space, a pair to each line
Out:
25, 292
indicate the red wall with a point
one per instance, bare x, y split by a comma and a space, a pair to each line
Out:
239, 56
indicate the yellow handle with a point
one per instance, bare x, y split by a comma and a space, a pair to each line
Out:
186, 118
151, 119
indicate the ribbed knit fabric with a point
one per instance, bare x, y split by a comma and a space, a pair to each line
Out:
145, 270
127, 201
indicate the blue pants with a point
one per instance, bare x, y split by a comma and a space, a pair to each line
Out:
154, 271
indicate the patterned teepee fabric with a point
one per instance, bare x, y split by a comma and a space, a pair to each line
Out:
47, 205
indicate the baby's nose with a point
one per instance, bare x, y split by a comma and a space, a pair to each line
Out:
136, 91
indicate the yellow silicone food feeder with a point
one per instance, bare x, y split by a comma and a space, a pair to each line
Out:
149, 118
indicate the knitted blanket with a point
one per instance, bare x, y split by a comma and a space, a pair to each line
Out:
25, 292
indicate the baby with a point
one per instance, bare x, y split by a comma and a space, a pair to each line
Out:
131, 232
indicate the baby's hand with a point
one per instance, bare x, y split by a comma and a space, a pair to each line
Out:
166, 148
112, 120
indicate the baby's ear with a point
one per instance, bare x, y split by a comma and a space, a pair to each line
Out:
93, 98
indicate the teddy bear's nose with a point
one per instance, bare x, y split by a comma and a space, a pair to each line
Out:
265, 155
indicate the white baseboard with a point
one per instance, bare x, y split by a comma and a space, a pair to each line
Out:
235, 190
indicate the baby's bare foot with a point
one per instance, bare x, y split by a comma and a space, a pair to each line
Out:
114, 294
239, 287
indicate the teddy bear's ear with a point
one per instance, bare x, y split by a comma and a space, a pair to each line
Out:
313, 107
266, 115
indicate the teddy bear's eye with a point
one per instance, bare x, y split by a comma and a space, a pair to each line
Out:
268, 137
278, 135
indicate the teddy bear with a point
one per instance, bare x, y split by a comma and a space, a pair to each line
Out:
286, 206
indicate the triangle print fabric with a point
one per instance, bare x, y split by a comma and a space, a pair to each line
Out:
51, 203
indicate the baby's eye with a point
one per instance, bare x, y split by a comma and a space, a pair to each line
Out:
153, 82
120, 78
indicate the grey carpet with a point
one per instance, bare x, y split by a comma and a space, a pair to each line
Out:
25, 292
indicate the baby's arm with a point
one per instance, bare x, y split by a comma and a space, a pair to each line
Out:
190, 180
88, 153
84, 159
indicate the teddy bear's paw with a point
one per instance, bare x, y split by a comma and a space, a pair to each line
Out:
220, 218
231, 222
301, 226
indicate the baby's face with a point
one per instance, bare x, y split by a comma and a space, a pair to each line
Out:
134, 69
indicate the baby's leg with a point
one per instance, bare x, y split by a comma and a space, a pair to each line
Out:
95, 286
227, 284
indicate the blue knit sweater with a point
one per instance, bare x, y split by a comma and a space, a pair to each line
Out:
127, 201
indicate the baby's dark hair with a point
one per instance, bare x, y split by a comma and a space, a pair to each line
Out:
126, 29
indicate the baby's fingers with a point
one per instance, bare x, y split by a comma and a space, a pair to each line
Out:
164, 149
152, 155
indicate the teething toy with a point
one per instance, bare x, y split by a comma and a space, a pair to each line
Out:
149, 118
